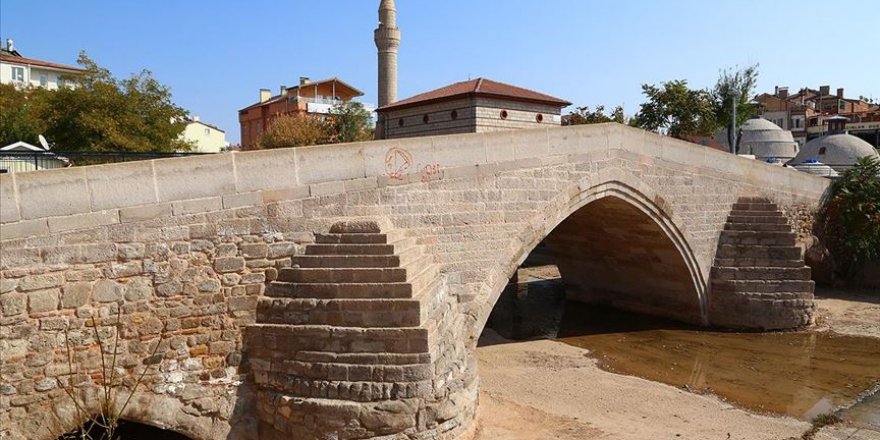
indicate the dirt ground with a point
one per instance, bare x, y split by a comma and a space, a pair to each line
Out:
544, 389
848, 311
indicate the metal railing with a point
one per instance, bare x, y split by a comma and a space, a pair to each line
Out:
20, 161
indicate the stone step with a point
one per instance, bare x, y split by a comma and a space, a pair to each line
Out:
757, 262
758, 251
761, 219
772, 238
395, 247
757, 206
335, 371
299, 388
757, 227
340, 312
350, 249
286, 339
356, 238
358, 261
761, 273
363, 358
756, 213
344, 275
280, 289
763, 286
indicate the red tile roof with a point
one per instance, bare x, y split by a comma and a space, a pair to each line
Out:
354, 92
478, 87
33, 62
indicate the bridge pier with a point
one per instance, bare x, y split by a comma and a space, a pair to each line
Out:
345, 342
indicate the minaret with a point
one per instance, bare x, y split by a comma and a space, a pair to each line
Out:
387, 37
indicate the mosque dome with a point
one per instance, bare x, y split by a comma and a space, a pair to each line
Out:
766, 141
839, 151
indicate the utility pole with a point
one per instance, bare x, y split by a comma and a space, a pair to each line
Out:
735, 99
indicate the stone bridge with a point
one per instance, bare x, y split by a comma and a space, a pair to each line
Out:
337, 292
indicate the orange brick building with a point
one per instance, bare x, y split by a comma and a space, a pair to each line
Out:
314, 97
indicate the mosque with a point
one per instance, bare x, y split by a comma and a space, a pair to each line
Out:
475, 106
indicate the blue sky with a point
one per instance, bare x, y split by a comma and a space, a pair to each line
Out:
216, 55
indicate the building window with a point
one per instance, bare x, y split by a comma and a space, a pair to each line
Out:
503, 114
207, 131
61, 81
400, 122
454, 115
44, 80
822, 151
425, 119
18, 74
539, 118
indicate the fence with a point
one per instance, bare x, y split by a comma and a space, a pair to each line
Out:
20, 161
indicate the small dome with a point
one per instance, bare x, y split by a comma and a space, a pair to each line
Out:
766, 141
839, 151
817, 169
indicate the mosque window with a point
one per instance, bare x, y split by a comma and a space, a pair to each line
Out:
454, 115
503, 114
400, 122
539, 118
822, 150
425, 119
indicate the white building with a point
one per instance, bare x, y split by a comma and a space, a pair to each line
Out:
206, 137
21, 156
22, 71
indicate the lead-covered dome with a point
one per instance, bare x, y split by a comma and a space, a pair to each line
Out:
766, 141
839, 151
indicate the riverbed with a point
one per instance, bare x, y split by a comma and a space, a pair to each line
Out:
586, 372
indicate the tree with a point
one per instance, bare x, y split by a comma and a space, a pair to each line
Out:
350, 122
734, 85
583, 115
676, 110
18, 121
296, 130
101, 113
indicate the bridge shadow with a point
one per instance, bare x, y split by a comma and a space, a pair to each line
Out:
857, 294
534, 306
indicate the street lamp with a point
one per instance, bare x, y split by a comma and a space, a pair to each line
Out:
736, 95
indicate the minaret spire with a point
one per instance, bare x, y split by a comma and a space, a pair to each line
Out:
387, 37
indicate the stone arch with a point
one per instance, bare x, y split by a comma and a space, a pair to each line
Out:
639, 198
59, 416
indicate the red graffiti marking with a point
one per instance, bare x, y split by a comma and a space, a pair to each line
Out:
430, 171
397, 162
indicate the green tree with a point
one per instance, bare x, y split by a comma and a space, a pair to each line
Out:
296, 130
738, 85
849, 221
676, 110
350, 122
102, 114
18, 121
583, 115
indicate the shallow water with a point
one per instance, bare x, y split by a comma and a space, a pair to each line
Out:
801, 374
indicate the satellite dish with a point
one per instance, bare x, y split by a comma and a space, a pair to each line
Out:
44, 143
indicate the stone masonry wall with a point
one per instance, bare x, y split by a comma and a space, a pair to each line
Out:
188, 246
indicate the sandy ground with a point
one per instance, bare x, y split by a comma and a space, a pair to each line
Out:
538, 390
850, 312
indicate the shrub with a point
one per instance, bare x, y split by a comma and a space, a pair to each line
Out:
849, 219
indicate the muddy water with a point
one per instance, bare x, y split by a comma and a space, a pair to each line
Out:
801, 374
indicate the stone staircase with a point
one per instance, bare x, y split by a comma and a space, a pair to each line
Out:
346, 323
759, 278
